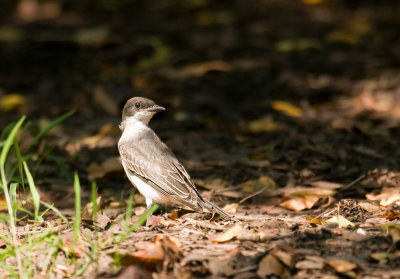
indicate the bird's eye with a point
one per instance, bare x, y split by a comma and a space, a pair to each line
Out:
137, 105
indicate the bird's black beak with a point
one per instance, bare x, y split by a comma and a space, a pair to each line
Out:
155, 108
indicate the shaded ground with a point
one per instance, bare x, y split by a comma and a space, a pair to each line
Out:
286, 95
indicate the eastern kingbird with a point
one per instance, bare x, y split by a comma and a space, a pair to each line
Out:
151, 166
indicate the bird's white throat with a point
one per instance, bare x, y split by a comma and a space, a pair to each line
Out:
141, 118
131, 129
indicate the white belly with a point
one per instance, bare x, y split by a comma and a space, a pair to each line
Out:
151, 194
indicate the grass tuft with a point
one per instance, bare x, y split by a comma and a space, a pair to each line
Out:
4, 184
39, 250
34, 192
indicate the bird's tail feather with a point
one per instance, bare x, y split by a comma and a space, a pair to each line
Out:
215, 209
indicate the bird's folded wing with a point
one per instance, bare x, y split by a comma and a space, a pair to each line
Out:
157, 164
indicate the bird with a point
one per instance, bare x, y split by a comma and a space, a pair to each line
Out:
151, 166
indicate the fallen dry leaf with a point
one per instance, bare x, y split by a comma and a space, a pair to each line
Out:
394, 232
211, 184
11, 101
139, 210
110, 165
229, 234
105, 132
284, 253
254, 185
341, 221
370, 207
87, 211
383, 256
231, 208
311, 262
102, 221
385, 198
265, 124
300, 203
313, 220
278, 262
304, 198
167, 223
154, 220
32, 10
171, 247
155, 252
287, 108
326, 184
229, 264
270, 265
342, 266
62, 270
391, 215
70, 249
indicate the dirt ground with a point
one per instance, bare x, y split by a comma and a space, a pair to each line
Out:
285, 112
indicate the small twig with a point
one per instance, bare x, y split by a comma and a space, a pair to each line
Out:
252, 195
49, 230
353, 182
30, 232
242, 270
205, 225
255, 217
322, 214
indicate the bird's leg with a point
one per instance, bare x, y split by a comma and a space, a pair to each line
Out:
212, 216
149, 202
149, 221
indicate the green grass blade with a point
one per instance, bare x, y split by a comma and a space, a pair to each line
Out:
55, 210
34, 191
138, 223
93, 199
9, 269
82, 269
77, 221
13, 196
51, 125
19, 162
9, 141
143, 218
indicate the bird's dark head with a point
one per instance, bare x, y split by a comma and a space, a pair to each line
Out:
140, 109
